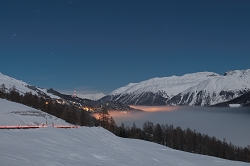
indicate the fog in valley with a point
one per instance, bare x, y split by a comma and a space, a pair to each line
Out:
229, 123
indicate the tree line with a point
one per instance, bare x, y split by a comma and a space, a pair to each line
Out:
69, 113
174, 137
185, 140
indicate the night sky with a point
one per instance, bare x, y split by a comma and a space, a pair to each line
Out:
100, 45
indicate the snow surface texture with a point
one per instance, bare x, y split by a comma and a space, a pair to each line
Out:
87, 146
91, 147
12, 113
20, 86
206, 87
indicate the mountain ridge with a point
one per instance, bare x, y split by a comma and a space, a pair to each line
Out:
8, 83
193, 89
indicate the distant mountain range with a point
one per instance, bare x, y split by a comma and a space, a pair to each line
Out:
94, 97
8, 83
195, 89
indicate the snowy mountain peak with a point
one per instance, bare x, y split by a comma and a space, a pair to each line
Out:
122, 89
173, 85
239, 73
201, 88
94, 97
205, 74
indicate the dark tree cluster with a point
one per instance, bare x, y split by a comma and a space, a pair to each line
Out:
186, 140
69, 113
107, 121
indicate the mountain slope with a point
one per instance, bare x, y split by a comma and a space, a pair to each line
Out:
8, 83
202, 88
243, 100
214, 90
172, 85
92, 146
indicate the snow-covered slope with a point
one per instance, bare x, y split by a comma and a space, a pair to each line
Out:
12, 113
202, 88
8, 83
92, 147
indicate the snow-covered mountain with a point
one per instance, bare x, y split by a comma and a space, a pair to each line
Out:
94, 97
202, 88
8, 83
90, 146
243, 100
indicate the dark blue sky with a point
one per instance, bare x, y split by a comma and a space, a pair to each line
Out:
100, 45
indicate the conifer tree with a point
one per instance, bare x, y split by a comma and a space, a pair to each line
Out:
134, 132
3, 88
70, 115
83, 118
157, 136
148, 129
14, 96
104, 117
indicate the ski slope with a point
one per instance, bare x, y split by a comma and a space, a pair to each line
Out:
12, 113
90, 146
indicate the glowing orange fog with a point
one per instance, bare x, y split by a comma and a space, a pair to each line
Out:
155, 108
113, 114
120, 115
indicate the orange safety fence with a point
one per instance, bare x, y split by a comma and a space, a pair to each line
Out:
35, 126
21, 127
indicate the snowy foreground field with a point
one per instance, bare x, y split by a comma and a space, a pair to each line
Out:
91, 146
17, 114
84, 146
